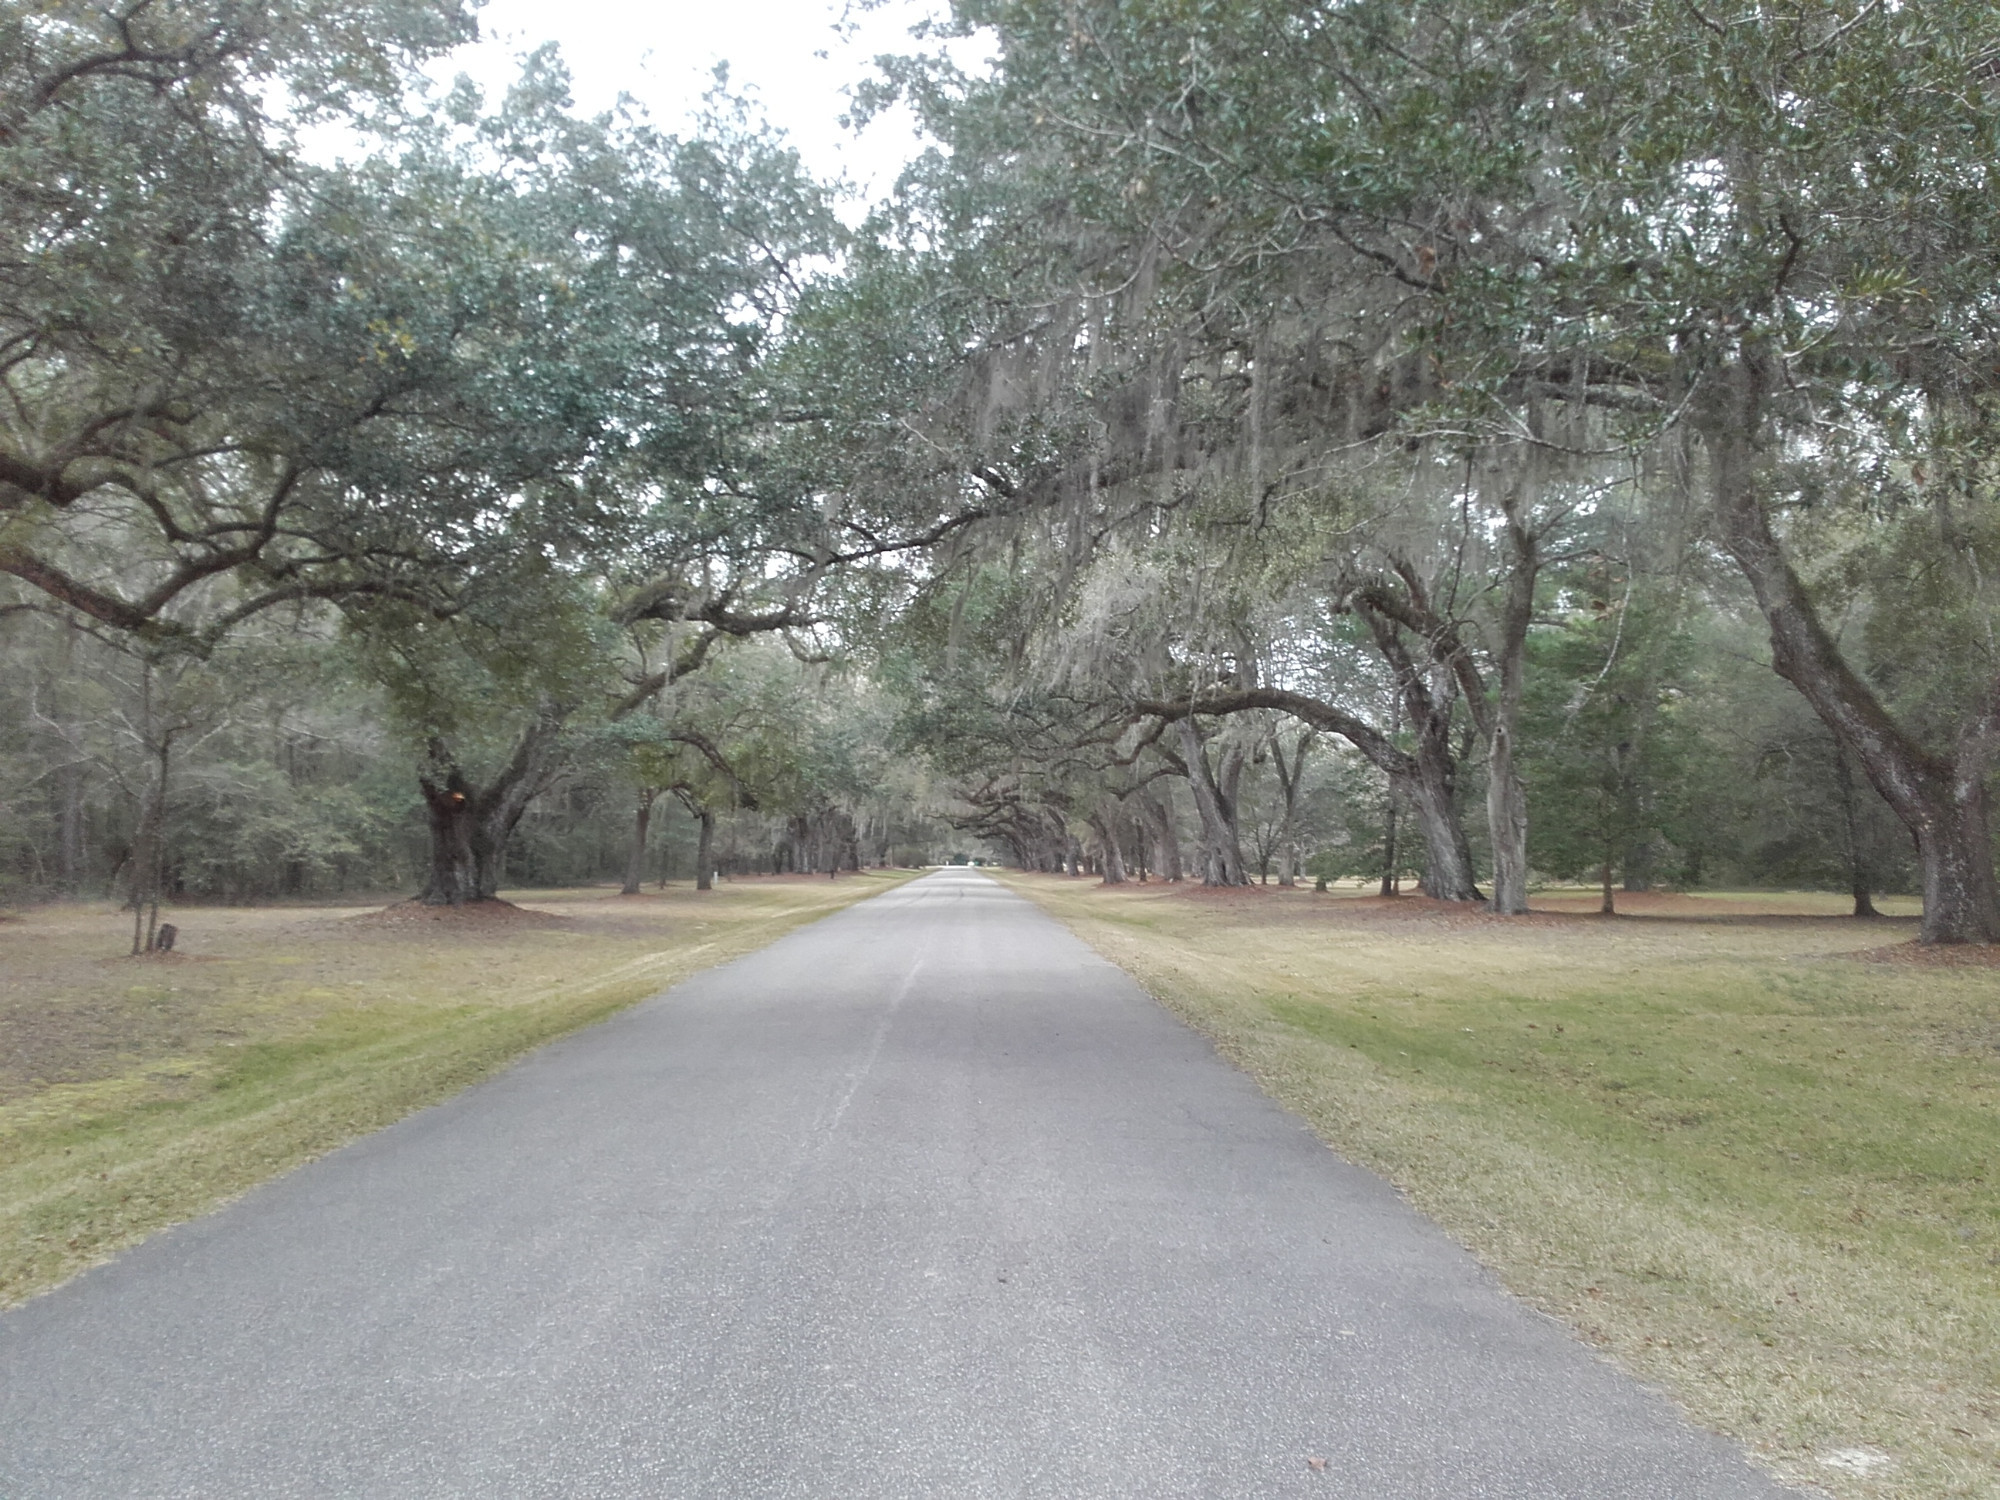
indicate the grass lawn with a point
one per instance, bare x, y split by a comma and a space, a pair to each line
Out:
1762, 1173
139, 1092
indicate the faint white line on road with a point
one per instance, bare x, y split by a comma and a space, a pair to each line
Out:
875, 1046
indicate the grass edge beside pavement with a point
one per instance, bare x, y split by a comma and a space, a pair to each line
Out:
87, 1171
1808, 1352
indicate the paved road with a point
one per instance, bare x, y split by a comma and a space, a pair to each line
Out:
924, 1201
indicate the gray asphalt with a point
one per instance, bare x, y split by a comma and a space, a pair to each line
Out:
925, 1200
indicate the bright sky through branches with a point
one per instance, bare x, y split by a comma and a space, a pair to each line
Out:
793, 58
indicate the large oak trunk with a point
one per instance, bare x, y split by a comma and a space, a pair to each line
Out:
1430, 778
1110, 859
1432, 794
1448, 872
1426, 780
461, 865
1942, 801
1159, 819
1221, 842
470, 824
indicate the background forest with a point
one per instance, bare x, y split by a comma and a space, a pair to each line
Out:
1478, 445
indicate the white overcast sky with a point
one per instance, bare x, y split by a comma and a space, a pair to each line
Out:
793, 58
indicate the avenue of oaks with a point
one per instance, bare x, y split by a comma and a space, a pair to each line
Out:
1460, 441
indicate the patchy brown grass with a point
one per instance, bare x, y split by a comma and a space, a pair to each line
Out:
1961, 956
1759, 1173
137, 1092
474, 916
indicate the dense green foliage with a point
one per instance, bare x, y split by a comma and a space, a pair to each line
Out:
1256, 439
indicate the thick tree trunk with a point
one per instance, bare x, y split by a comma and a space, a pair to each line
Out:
1943, 802
1222, 846
459, 851
1110, 859
704, 851
469, 824
1433, 794
1432, 781
642, 821
1605, 907
1447, 855
1864, 904
1159, 818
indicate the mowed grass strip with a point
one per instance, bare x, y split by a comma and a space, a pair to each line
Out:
137, 1093
1758, 1171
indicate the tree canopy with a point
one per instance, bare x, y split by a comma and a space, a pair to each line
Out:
1353, 439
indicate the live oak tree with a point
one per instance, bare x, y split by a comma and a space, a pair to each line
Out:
1783, 230
1174, 293
1742, 252
1225, 374
193, 340
625, 430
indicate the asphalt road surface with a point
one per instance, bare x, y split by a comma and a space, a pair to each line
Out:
925, 1200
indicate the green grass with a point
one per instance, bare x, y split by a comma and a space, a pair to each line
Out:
1760, 1173
138, 1093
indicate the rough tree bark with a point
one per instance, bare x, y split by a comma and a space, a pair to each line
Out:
1214, 805
1110, 859
1159, 819
1447, 853
1496, 711
470, 824
1432, 782
1941, 799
